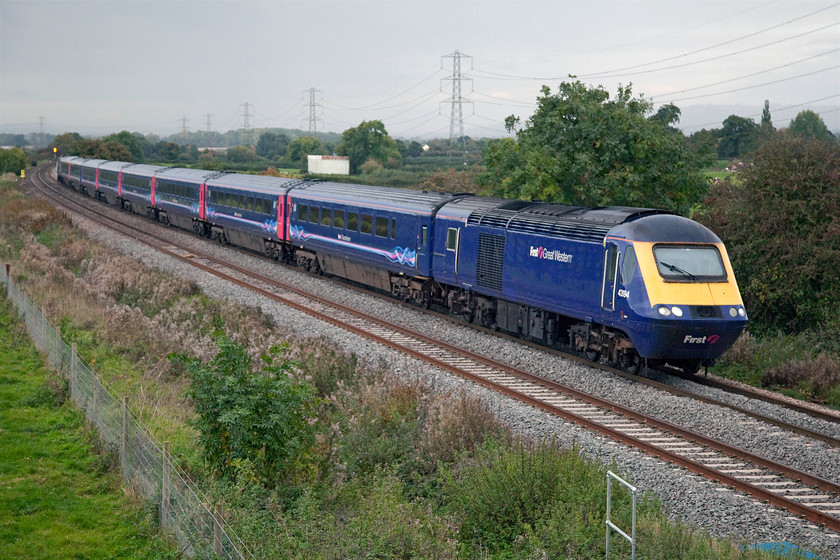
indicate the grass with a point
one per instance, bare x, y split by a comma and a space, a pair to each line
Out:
61, 495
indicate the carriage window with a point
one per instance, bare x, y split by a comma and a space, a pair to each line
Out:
628, 266
313, 214
393, 228
367, 223
251, 203
451, 239
352, 221
326, 217
381, 226
425, 236
338, 218
266, 206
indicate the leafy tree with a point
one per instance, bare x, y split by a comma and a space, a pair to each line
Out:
415, 149
272, 144
241, 154
301, 147
168, 151
668, 115
810, 125
90, 148
739, 136
131, 142
767, 128
251, 423
367, 141
114, 151
580, 147
12, 160
781, 223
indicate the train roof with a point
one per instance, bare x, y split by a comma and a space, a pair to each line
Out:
258, 183
665, 227
70, 159
558, 220
143, 169
183, 174
423, 202
114, 165
92, 162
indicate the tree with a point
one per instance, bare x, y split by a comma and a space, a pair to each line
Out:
241, 154
781, 224
739, 136
66, 143
130, 141
582, 148
301, 147
809, 125
168, 151
767, 128
272, 144
367, 141
251, 423
12, 160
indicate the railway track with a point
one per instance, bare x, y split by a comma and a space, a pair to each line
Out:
802, 494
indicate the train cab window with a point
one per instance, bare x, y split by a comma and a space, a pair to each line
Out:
326, 217
689, 263
381, 226
367, 223
611, 260
352, 221
338, 218
314, 214
451, 239
628, 265
393, 228
303, 212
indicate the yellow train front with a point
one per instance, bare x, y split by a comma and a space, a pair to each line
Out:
669, 285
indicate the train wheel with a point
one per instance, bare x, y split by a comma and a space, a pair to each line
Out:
592, 355
630, 363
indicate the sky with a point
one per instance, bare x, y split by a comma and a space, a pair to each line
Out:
160, 66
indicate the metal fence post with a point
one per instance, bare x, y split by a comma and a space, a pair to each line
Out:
165, 483
218, 548
610, 525
124, 437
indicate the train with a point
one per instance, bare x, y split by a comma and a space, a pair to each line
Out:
635, 287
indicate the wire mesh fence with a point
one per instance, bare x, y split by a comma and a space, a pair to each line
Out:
145, 463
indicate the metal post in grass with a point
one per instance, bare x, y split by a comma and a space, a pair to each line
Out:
124, 438
165, 484
218, 548
74, 387
610, 525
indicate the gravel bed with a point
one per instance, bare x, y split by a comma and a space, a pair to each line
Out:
720, 510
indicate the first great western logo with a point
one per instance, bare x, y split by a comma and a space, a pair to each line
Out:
550, 255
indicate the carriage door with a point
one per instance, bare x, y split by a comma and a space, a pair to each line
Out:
610, 267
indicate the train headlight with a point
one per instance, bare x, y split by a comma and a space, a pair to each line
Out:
664, 311
677, 311
733, 312
742, 312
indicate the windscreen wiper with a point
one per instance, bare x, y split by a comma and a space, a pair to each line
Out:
675, 268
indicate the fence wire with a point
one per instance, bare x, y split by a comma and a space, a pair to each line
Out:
184, 512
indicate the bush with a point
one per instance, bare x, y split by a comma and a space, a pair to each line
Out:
252, 424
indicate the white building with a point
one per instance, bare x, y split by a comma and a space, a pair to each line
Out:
329, 165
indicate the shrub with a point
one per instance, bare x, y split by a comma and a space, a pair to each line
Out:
252, 424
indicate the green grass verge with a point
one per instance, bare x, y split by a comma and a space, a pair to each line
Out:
60, 495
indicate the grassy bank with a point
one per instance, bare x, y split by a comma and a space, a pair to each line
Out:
61, 494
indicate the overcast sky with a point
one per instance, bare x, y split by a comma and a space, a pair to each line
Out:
145, 66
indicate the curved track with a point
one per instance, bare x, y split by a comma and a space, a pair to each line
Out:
801, 493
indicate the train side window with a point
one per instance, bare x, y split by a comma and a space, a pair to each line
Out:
352, 221
314, 213
267, 206
425, 236
628, 266
303, 212
451, 239
393, 228
250, 203
338, 218
326, 217
367, 223
381, 226
613, 256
